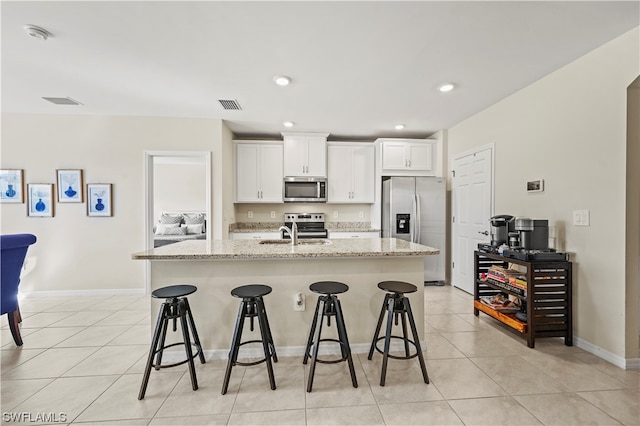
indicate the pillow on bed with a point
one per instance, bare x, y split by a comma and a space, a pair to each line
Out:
194, 229
168, 219
162, 229
193, 218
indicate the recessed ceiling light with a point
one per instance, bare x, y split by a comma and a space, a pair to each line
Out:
288, 123
446, 87
282, 80
37, 32
399, 126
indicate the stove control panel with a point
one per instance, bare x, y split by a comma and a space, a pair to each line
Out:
304, 217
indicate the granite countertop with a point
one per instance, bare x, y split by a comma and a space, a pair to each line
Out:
253, 249
273, 227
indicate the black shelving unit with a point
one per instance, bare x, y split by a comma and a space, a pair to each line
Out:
548, 297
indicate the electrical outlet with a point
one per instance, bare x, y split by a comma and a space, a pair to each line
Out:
273, 214
298, 302
250, 214
335, 214
581, 217
361, 214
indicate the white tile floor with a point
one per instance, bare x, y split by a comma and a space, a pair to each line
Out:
84, 358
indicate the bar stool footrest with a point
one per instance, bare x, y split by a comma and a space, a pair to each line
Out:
193, 356
332, 361
397, 356
260, 361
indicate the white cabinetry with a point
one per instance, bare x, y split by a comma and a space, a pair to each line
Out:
258, 174
365, 234
408, 156
351, 172
305, 154
256, 236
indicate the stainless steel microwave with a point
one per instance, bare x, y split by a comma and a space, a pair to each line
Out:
305, 190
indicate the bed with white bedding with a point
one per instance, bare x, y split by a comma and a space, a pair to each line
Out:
173, 227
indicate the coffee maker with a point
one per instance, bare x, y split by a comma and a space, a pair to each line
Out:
534, 233
501, 225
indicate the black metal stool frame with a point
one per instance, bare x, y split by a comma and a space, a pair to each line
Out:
397, 304
251, 307
174, 308
328, 306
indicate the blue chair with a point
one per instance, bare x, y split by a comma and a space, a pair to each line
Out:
13, 250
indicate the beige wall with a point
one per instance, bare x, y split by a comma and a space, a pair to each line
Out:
569, 129
75, 252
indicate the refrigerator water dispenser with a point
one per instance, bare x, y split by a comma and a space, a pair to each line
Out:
403, 225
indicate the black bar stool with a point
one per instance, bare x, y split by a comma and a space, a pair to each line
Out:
396, 304
252, 306
175, 306
328, 306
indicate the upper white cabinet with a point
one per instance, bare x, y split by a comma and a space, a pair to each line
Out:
305, 154
408, 156
258, 174
351, 173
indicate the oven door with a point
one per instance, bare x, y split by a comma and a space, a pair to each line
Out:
305, 190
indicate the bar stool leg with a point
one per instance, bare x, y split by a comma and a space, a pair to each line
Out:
196, 338
403, 316
377, 332
187, 344
342, 336
316, 339
387, 340
416, 338
166, 309
266, 337
314, 323
152, 350
235, 347
266, 321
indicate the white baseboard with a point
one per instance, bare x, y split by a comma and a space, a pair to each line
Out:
79, 293
618, 361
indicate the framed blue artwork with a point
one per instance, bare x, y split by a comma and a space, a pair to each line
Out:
11, 186
40, 199
99, 199
70, 186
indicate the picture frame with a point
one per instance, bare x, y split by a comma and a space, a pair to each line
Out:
70, 187
99, 200
12, 186
40, 200
536, 185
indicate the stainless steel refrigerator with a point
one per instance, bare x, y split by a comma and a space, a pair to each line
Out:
413, 209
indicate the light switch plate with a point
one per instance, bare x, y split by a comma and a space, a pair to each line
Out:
273, 214
581, 217
250, 214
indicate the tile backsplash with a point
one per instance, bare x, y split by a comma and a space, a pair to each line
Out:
275, 212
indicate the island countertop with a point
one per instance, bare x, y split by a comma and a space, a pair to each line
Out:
253, 249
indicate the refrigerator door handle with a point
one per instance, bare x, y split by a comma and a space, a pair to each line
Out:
416, 221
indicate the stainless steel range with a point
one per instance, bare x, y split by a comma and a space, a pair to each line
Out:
310, 225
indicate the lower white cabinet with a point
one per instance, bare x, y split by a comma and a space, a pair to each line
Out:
366, 234
255, 235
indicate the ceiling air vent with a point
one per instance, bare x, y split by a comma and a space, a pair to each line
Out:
231, 104
62, 101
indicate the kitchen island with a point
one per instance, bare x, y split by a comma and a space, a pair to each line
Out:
216, 267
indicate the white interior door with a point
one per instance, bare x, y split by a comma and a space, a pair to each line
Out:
472, 206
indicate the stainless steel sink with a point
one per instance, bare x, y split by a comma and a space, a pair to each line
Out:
310, 241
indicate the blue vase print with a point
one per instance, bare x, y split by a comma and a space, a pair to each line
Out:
40, 206
99, 205
11, 192
70, 192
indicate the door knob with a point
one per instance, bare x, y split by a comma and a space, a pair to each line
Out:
484, 233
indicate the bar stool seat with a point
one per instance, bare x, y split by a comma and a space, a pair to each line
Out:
175, 307
397, 304
252, 306
328, 306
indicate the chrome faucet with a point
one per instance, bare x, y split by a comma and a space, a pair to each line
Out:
293, 232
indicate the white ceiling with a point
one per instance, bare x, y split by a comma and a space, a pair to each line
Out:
358, 68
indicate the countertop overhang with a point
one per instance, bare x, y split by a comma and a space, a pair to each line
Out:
252, 249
